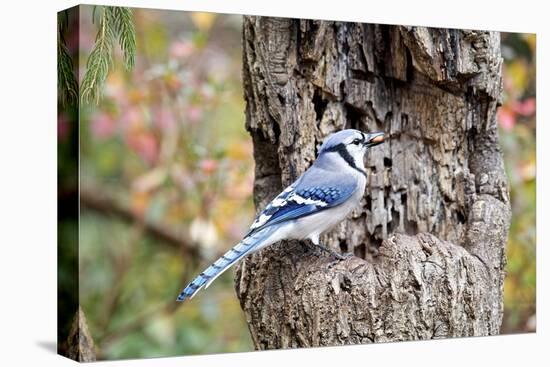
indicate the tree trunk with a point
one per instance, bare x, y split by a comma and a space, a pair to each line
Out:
430, 233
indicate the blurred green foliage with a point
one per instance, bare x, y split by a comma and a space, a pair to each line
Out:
517, 121
167, 142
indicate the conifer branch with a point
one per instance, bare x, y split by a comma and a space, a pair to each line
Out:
67, 86
115, 23
99, 61
124, 27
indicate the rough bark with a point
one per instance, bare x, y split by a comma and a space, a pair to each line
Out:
79, 345
430, 234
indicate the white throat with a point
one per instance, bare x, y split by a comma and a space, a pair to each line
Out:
350, 161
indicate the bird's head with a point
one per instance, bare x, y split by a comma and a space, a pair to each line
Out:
352, 144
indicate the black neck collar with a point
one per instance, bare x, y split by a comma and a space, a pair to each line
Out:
341, 149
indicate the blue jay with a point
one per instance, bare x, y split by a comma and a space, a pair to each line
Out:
319, 199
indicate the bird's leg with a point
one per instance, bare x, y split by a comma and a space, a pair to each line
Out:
330, 251
311, 249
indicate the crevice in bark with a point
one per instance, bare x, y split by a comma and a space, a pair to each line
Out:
319, 104
354, 117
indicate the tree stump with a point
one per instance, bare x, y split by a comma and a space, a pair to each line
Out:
430, 233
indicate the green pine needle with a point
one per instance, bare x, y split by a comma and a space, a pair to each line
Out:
115, 23
124, 27
67, 86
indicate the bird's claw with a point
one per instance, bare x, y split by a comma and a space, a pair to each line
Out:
345, 255
335, 254
340, 257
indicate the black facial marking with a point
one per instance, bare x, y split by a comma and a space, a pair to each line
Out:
341, 149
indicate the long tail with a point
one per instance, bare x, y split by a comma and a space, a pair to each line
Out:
248, 245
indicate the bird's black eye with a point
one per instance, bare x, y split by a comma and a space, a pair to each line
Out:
356, 141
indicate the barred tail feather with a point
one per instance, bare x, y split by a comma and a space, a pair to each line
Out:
240, 250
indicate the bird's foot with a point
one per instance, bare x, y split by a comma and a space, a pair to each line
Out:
337, 255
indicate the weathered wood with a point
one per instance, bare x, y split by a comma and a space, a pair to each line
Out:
430, 233
80, 344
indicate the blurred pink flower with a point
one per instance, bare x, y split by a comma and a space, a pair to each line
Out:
194, 114
507, 81
145, 145
164, 119
63, 127
181, 49
131, 118
208, 166
525, 108
506, 118
103, 126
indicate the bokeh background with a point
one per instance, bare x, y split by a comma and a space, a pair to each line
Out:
517, 122
167, 177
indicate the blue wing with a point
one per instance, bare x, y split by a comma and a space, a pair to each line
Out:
300, 200
315, 191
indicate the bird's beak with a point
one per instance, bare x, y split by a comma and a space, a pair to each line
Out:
375, 139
